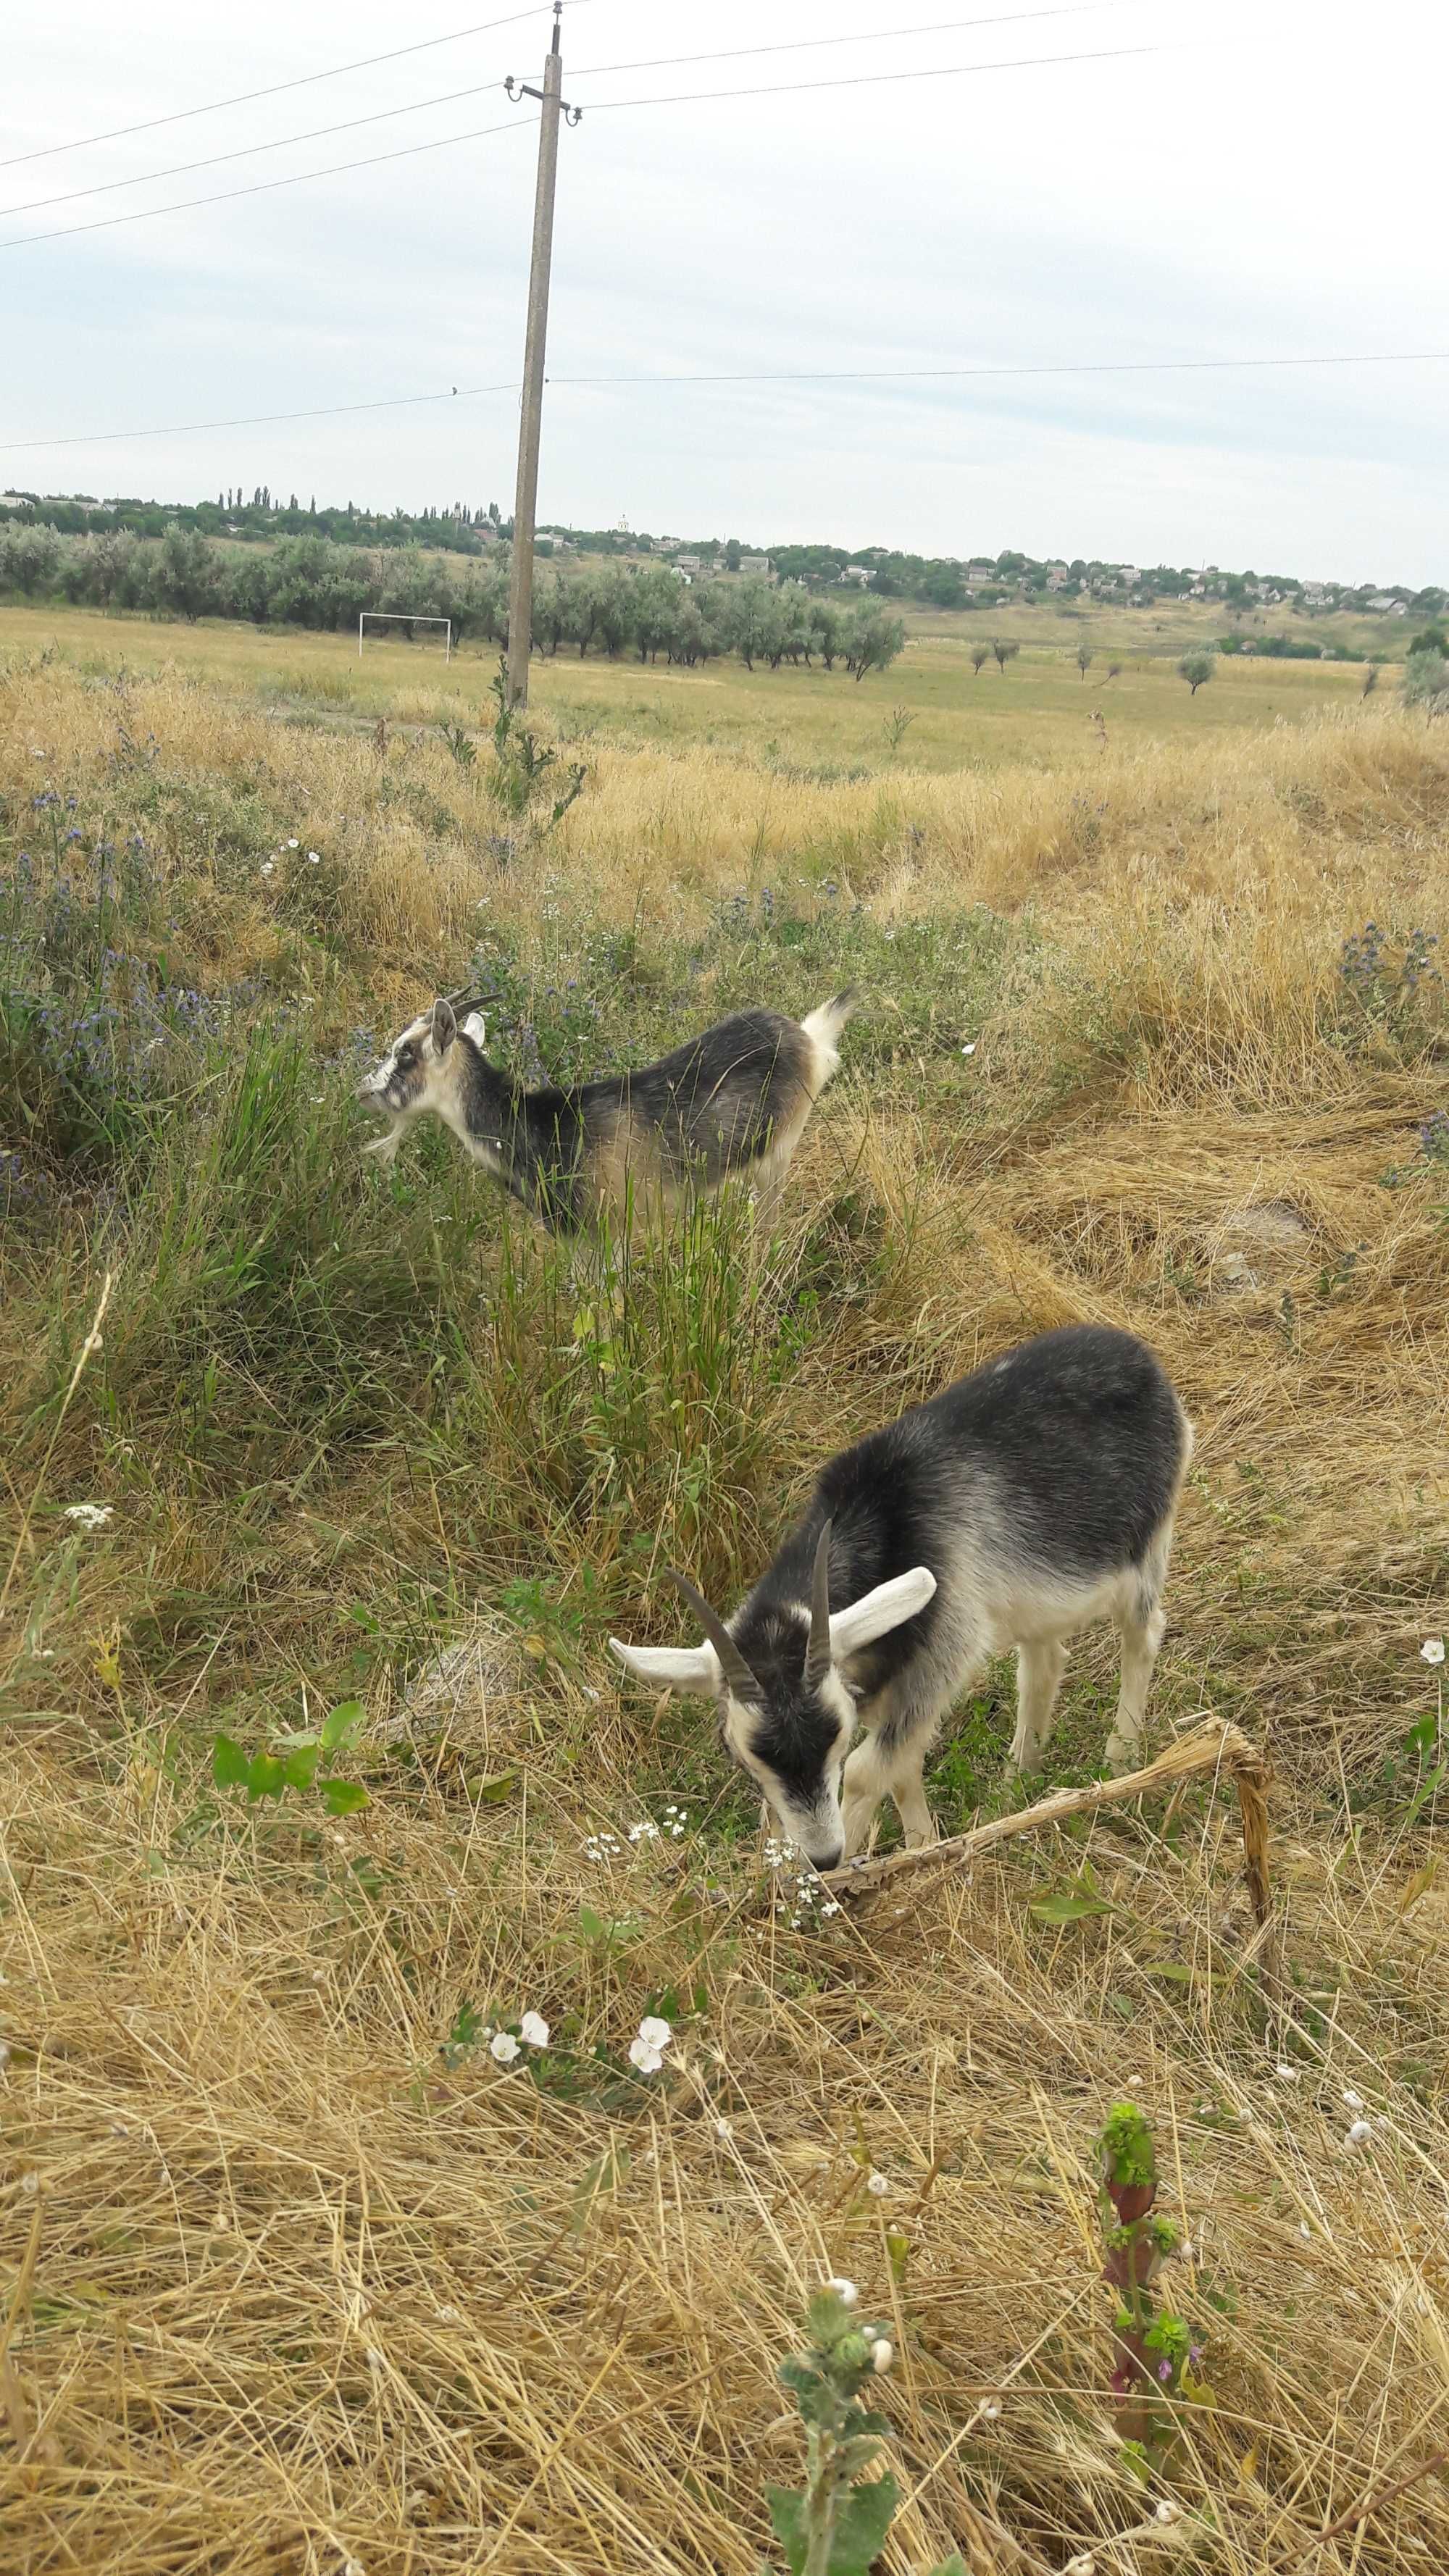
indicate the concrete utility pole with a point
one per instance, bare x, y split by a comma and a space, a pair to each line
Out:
520, 587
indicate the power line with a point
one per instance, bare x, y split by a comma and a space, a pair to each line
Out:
684, 98
1065, 367
244, 152
262, 187
871, 80
259, 419
870, 36
304, 80
448, 97
764, 376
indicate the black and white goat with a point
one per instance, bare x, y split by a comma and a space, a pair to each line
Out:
1023, 1503
731, 1102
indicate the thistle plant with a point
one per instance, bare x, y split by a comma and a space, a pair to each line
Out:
836, 2528
1153, 2348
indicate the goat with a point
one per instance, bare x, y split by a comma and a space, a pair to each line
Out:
1021, 1504
731, 1102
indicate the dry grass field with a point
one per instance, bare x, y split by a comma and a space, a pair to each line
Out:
295, 2275
1042, 708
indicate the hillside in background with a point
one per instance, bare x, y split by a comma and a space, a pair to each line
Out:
939, 581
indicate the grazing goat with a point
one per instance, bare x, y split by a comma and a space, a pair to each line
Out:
732, 1102
1019, 1505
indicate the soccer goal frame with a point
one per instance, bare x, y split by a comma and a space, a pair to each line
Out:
403, 617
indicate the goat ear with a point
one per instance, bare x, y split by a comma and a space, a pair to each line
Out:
889, 1606
445, 1027
681, 1668
476, 1028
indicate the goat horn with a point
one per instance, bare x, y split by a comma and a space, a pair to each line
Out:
732, 1663
817, 1653
466, 999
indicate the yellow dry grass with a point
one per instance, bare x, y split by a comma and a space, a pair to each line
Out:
279, 2289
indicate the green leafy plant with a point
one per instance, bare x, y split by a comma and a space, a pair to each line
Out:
303, 1762
1153, 2350
1409, 1778
836, 2527
1075, 1903
521, 763
460, 743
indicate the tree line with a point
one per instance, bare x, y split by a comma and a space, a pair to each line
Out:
309, 582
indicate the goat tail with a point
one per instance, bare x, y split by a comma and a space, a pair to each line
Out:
825, 1025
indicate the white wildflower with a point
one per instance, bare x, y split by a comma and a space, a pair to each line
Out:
30, 2185
294, 845
1353, 2100
504, 2047
877, 2185
969, 1050
882, 2354
654, 2032
647, 2059
269, 867
726, 2129
1432, 1650
534, 2030
1360, 2134
1169, 2510
89, 1516
314, 858
990, 2412
1286, 2074
845, 2291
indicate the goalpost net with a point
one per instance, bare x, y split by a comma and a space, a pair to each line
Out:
404, 617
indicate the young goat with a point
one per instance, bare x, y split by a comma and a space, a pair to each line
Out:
1019, 1505
734, 1101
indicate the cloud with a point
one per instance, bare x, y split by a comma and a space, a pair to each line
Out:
1206, 200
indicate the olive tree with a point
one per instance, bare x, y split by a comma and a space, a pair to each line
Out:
873, 642
1426, 682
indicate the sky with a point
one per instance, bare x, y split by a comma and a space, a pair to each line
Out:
1235, 179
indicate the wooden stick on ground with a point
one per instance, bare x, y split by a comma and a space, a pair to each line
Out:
1213, 1747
